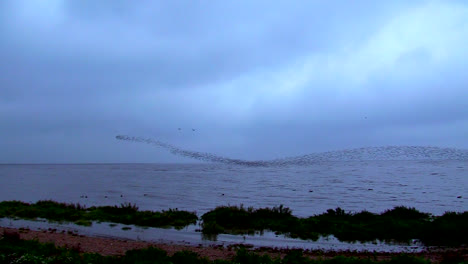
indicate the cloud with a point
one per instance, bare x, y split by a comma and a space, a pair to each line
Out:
257, 79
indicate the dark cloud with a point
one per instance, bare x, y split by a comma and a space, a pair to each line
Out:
256, 79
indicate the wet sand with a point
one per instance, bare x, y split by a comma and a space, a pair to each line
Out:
108, 246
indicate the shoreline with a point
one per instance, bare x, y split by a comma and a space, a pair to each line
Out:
399, 224
193, 237
117, 247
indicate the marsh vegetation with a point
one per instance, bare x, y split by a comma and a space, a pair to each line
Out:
400, 224
125, 214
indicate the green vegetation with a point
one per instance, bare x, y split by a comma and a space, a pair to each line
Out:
399, 224
125, 213
21, 251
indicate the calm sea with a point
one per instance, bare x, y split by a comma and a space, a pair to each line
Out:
430, 186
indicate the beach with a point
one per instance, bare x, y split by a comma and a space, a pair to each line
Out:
117, 247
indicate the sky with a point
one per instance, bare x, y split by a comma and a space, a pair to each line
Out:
243, 79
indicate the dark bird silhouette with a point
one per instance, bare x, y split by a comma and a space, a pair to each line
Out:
193, 129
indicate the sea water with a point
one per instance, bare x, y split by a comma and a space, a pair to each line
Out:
433, 186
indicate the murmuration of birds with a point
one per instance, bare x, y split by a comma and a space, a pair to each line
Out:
357, 154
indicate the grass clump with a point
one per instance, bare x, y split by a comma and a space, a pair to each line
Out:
125, 214
450, 229
399, 224
129, 214
238, 220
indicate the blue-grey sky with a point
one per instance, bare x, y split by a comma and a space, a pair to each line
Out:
256, 79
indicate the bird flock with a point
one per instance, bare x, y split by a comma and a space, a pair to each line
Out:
358, 154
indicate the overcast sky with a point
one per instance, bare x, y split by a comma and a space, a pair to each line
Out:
255, 79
